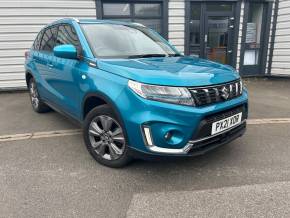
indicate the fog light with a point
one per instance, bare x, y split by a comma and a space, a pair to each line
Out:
168, 135
173, 136
148, 137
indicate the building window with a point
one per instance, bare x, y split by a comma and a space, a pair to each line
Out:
147, 10
213, 7
149, 14
116, 9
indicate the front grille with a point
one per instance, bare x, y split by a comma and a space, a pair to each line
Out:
213, 94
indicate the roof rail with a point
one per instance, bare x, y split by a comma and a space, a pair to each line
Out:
65, 18
75, 19
139, 24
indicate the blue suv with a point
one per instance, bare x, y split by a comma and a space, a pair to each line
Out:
132, 92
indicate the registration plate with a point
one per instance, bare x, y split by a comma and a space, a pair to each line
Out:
227, 123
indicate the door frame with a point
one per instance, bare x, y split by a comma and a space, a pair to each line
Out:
236, 15
267, 13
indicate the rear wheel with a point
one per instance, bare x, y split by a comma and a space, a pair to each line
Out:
105, 137
37, 104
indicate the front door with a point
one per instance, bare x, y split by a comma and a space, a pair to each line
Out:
211, 31
67, 72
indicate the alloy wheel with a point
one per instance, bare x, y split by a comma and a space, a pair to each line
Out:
34, 95
106, 137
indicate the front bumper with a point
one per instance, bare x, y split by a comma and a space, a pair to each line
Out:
187, 125
202, 145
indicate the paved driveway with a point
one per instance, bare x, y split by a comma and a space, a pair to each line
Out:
54, 176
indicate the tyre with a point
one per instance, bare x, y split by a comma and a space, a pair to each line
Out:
105, 137
37, 104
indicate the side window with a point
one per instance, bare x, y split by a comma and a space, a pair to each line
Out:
67, 35
37, 41
48, 39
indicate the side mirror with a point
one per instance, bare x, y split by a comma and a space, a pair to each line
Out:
67, 51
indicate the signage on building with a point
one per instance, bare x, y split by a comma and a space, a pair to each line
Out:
251, 33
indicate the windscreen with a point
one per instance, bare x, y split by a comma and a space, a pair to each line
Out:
122, 41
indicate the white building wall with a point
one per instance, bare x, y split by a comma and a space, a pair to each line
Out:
240, 35
267, 71
20, 21
281, 52
176, 23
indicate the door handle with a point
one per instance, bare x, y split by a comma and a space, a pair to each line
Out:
50, 65
230, 51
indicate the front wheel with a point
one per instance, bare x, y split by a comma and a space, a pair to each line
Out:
105, 137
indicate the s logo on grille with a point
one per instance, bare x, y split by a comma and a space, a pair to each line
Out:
225, 93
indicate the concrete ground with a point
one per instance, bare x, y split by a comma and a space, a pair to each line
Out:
56, 177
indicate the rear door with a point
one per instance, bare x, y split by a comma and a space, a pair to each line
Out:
34, 52
44, 61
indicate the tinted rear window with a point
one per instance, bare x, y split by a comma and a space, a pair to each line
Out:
37, 41
48, 39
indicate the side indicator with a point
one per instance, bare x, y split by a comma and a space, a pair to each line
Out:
92, 64
148, 137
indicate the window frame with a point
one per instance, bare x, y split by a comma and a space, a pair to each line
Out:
163, 17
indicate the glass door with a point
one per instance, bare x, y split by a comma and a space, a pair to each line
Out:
195, 30
211, 34
217, 39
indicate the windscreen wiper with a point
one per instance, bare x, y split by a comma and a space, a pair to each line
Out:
147, 56
174, 55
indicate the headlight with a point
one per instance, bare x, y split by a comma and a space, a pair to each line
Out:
175, 95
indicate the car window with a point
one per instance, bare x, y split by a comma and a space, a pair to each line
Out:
67, 35
48, 39
37, 41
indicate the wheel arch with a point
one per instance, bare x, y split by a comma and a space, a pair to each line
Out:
92, 100
28, 76
106, 100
